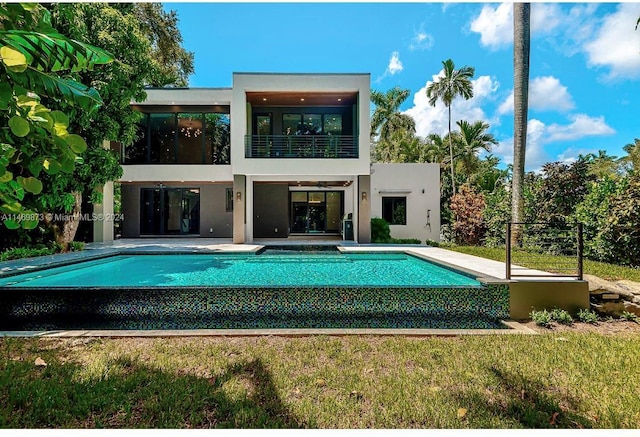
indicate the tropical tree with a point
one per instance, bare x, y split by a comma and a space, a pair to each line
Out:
147, 42
469, 141
387, 117
521, 45
35, 140
451, 84
439, 147
631, 162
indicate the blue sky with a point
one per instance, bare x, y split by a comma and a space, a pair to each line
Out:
585, 61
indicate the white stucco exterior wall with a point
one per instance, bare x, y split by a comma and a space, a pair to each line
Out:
420, 184
263, 82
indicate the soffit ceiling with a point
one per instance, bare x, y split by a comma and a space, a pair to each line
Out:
296, 99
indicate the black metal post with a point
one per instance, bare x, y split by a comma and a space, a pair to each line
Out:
508, 254
580, 250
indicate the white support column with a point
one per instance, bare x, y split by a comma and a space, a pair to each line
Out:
249, 210
103, 216
239, 199
356, 202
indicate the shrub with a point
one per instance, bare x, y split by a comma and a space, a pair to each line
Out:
467, 207
622, 228
542, 318
594, 212
405, 241
561, 316
631, 317
587, 316
76, 246
23, 252
432, 243
380, 232
496, 215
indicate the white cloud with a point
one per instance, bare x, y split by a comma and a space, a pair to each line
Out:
421, 41
535, 155
581, 126
609, 42
616, 43
545, 18
546, 93
434, 119
539, 135
395, 66
495, 25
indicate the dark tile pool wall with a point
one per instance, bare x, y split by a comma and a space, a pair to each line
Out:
254, 308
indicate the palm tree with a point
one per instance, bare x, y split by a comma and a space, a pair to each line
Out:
454, 83
632, 160
387, 117
469, 141
521, 44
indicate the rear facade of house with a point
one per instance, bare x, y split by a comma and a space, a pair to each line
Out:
274, 156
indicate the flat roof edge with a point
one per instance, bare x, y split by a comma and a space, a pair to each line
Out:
189, 88
299, 74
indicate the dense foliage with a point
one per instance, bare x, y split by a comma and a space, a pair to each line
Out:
147, 44
37, 140
598, 190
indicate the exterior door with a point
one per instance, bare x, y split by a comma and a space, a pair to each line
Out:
170, 211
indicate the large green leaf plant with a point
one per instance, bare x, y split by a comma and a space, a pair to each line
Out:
34, 139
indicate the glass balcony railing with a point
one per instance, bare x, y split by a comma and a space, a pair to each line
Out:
301, 146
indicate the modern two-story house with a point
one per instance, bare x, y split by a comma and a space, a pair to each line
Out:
274, 156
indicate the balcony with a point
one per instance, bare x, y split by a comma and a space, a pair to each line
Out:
301, 146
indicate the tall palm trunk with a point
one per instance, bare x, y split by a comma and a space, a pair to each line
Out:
521, 43
453, 179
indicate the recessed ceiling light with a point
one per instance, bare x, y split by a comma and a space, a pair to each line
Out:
264, 99
339, 100
302, 100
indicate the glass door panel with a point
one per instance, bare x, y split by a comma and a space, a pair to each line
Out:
299, 217
150, 215
334, 211
190, 223
316, 211
170, 211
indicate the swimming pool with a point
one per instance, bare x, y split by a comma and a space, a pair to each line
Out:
264, 270
255, 291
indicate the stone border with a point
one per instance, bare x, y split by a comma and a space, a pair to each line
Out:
513, 328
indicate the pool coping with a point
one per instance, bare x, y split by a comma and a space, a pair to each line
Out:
513, 327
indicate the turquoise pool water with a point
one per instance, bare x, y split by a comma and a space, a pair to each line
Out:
263, 270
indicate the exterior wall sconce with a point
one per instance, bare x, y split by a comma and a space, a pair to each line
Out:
364, 196
239, 196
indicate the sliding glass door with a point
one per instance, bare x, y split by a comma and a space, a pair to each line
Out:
316, 211
170, 211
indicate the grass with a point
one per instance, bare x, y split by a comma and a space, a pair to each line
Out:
606, 271
514, 381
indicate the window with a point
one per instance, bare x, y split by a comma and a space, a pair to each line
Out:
394, 210
190, 133
229, 199
181, 138
291, 124
333, 124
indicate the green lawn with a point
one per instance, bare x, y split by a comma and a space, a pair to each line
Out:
607, 271
509, 381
